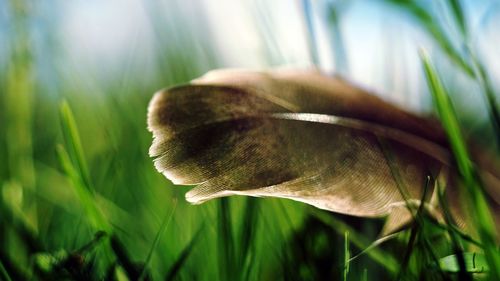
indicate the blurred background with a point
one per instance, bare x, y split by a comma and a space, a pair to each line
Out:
75, 81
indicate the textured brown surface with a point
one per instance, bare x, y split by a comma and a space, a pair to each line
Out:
298, 135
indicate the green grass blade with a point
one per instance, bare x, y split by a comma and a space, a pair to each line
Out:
247, 232
360, 241
93, 244
248, 228
15, 271
347, 255
474, 69
131, 269
449, 120
481, 215
22, 229
455, 242
489, 92
3, 273
334, 10
77, 170
431, 25
86, 198
159, 234
226, 241
73, 142
311, 33
417, 230
474, 263
365, 275
177, 265
458, 15
403, 270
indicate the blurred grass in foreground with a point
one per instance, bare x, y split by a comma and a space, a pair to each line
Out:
80, 199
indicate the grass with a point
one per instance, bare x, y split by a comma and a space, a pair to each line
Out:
76, 169
481, 215
81, 200
5, 276
347, 256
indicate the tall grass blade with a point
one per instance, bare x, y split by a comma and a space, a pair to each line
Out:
4, 275
14, 270
17, 102
473, 69
248, 230
311, 32
79, 174
111, 273
403, 270
180, 261
385, 259
166, 222
248, 227
225, 241
365, 275
455, 242
481, 215
339, 51
374, 245
491, 101
458, 15
122, 258
431, 25
73, 142
22, 229
420, 248
86, 198
89, 247
474, 263
347, 256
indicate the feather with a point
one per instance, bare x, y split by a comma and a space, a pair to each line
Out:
303, 136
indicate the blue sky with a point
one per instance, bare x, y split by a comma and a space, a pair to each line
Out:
381, 43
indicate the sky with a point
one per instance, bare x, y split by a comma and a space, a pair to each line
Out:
381, 42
